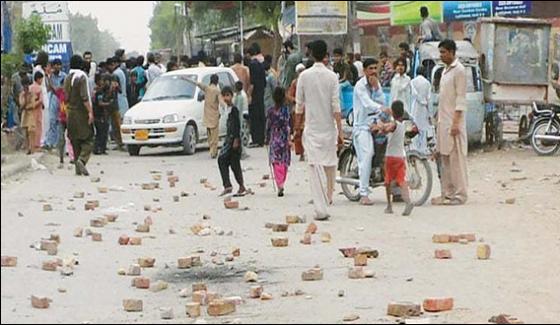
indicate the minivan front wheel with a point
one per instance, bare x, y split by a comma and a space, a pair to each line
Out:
189, 140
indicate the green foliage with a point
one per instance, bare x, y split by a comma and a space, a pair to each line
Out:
163, 25
210, 16
86, 36
10, 64
265, 13
31, 34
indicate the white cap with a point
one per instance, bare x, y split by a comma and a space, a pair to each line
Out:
300, 67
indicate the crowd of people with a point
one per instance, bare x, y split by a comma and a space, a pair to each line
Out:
300, 104
40, 97
308, 105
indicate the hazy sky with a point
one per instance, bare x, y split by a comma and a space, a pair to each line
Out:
127, 21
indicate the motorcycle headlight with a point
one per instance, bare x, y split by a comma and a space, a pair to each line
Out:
172, 118
127, 120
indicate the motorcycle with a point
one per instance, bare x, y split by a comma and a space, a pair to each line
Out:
418, 171
545, 129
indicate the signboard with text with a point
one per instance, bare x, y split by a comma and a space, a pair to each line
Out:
511, 8
321, 17
54, 14
59, 50
466, 10
408, 12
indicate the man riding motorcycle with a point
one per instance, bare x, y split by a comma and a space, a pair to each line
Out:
368, 104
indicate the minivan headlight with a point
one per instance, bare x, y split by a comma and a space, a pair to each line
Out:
172, 118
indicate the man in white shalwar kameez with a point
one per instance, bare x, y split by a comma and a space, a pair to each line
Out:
400, 85
317, 91
421, 90
368, 103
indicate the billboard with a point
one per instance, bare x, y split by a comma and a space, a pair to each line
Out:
408, 12
511, 8
54, 14
471, 10
466, 10
321, 17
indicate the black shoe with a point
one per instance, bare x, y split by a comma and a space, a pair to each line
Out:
281, 192
82, 167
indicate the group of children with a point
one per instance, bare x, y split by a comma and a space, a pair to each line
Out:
105, 108
277, 138
278, 135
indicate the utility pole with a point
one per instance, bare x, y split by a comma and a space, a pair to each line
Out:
177, 30
188, 26
356, 42
241, 40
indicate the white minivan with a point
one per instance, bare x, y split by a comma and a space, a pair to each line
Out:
171, 112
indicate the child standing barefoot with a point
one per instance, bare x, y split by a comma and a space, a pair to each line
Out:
395, 158
230, 154
278, 138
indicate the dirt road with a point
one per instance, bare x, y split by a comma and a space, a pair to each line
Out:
521, 278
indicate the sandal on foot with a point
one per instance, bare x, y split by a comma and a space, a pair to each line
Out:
226, 192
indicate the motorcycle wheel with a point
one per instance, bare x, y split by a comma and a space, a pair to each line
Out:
419, 177
545, 147
349, 168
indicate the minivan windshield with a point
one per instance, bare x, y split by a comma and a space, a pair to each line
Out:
171, 88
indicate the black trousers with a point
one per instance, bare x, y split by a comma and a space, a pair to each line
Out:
230, 158
101, 134
258, 122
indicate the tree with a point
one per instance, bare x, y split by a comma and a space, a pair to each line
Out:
163, 26
86, 36
210, 16
31, 34
266, 13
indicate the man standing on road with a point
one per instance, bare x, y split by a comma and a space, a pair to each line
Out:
400, 85
241, 71
256, 96
452, 128
117, 71
368, 102
211, 112
289, 69
420, 89
79, 114
317, 91
358, 64
56, 82
154, 70
342, 68
88, 58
